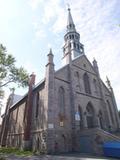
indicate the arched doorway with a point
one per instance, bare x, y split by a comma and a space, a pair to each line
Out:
62, 144
90, 115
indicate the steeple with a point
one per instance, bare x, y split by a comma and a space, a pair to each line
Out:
70, 23
72, 47
95, 65
108, 83
50, 57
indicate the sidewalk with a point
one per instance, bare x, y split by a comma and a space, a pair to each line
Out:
58, 157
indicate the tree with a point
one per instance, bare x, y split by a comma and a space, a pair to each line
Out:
9, 73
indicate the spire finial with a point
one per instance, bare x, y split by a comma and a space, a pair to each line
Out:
68, 5
50, 52
94, 61
70, 23
108, 82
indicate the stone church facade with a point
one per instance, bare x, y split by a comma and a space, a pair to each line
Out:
71, 109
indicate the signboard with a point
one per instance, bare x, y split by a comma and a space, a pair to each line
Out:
50, 125
77, 116
61, 124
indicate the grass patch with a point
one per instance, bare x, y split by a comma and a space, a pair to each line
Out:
4, 150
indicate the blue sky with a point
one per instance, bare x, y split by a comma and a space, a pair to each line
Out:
28, 28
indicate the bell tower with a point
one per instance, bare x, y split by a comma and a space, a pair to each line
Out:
72, 47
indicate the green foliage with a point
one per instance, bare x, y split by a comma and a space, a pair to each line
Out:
15, 151
9, 73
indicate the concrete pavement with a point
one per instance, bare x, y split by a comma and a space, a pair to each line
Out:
57, 157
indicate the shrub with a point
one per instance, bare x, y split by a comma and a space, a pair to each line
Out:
5, 150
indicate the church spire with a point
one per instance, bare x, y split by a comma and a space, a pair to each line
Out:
70, 23
72, 47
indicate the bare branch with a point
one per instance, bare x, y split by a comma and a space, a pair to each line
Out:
6, 83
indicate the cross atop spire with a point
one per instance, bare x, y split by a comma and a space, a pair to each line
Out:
70, 23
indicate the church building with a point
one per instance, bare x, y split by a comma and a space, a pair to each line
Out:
71, 109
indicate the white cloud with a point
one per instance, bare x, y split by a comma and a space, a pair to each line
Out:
49, 45
51, 10
40, 34
60, 22
39, 31
35, 3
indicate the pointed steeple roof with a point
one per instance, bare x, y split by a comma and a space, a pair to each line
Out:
108, 82
70, 23
50, 52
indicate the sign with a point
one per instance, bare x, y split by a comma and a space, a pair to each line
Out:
50, 125
77, 116
61, 124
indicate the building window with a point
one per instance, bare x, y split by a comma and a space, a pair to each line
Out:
76, 36
95, 86
86, 83
72, 36
62, 100
25, 112
37, 104
17, 114
70, 45
78, 87
81, 49
110, 111
74, 45
77, 75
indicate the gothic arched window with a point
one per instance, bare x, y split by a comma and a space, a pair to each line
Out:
70, 45
37, 104
78, 80
95, 85
61, 96
74, 45
25, 110
81, 49
86, 83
